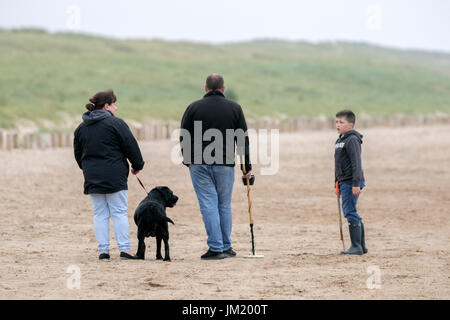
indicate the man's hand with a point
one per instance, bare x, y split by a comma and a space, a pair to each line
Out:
248, 175
337, 191
356, 191
135, 172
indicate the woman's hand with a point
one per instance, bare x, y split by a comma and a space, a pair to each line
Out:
135, 172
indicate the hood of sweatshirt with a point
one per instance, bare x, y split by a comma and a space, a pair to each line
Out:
351, 133
95, 116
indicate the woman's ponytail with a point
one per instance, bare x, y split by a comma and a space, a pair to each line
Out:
90, 106
101, 98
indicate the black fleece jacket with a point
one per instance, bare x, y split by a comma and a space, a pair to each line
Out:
102, 144
214, 111
347, 158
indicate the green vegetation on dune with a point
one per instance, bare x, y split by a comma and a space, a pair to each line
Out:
45, 75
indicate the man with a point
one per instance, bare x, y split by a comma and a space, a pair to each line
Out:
211, 164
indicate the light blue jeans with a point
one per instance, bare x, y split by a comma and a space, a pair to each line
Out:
113, 205
213, 185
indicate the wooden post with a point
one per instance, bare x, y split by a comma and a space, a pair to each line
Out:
256, 125
149, 131
163, 131
299, 124
155, 131
8, 141
141, 133
251, 124
53, 140
27, 141
32, 141
68, 140
171, 127
292, 125
331, 123
38, 141
168, 130
261, 124
59, 140
15, 141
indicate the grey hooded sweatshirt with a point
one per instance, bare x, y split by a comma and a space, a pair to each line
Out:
347, 158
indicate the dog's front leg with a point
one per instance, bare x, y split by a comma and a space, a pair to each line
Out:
141, 246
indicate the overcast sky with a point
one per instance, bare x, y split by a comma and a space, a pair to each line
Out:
418, 24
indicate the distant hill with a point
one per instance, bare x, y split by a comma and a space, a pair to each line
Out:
44, 76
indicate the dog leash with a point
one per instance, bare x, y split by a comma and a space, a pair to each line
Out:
142, 185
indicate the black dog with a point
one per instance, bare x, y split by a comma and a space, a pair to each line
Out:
152, 221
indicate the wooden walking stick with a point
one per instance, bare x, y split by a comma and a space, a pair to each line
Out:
338, 195
253, 255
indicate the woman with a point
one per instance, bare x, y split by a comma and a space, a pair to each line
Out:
102, 145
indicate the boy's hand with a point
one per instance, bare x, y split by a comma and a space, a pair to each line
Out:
356, 191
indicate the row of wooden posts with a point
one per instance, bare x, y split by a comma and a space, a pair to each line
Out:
158, 130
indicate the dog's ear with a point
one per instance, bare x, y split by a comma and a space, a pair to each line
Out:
164, 189
166, 192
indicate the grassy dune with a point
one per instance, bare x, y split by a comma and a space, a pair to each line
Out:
44, 76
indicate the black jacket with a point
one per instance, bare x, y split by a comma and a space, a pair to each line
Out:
102, 145
215, 112
347, 158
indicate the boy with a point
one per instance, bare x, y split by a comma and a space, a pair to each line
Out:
349, 177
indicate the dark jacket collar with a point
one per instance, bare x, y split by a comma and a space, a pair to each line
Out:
214, 93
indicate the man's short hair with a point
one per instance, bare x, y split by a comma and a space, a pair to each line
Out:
347, 114
214, 81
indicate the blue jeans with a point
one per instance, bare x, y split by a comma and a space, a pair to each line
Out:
113, 205
349, 201
213, 185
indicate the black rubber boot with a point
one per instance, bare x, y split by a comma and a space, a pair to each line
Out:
355, 236
363, 240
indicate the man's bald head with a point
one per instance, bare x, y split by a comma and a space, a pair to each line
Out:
214, 82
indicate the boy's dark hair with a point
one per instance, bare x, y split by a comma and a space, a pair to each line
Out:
347, 114
101, 98
214, 81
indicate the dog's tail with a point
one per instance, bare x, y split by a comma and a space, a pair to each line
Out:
167, 219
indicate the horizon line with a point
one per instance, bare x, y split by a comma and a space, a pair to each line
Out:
225, 42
